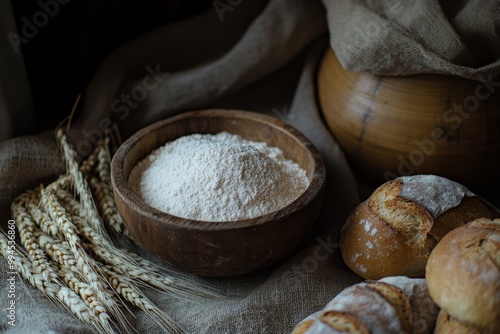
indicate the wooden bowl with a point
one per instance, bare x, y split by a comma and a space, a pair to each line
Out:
395, 126
219, 248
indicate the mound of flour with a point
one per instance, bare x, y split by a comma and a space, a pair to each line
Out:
218, 177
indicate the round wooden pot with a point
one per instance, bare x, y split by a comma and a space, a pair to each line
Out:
420, 124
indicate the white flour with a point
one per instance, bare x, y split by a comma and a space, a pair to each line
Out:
218, 177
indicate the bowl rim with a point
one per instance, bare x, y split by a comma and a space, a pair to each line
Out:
121, 188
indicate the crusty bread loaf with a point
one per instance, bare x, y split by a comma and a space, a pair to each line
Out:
393, 232
446, 324
392, 306
463, 274
423, 309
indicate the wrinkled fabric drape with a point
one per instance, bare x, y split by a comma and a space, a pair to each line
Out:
261, 56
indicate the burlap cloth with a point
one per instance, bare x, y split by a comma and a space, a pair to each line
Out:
260, 56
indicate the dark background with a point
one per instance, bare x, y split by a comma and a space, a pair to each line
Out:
61, 59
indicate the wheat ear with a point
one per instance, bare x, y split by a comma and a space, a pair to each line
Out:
53, 290
87, 295
26, 227
59, 252
130, 293
161, 281
89, 210
89, 163
42, 219
69, 202
83, 261
106, 204
104, 194
145, 271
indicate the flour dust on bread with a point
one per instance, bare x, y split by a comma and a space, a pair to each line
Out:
463, 275
392, 305
393, 232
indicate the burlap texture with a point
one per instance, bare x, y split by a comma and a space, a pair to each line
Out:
267, 64
395, 37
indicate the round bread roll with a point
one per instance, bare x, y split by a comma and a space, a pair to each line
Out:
394, 231
463, 274
396, 305
446, 324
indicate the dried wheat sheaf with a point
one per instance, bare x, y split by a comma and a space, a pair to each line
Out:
67, 254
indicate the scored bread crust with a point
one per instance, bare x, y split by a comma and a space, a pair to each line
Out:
463, 274
398, 299
392, 305
369, 307
446, 324
424, 309
391, 235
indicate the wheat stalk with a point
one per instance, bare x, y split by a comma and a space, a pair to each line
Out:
52, 289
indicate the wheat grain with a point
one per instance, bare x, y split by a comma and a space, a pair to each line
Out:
130, 293
26, 227
68, 201
83, 261
102, 189
53, 290
42, 219
59, 251
89, 163
89, 210
106, 204
87, 295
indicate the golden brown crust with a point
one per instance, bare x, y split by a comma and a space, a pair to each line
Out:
368, 245
446, 324
343, 322
469, 209
394, 305
408, 218
388, 235
302, 327
463, 275
397, 298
